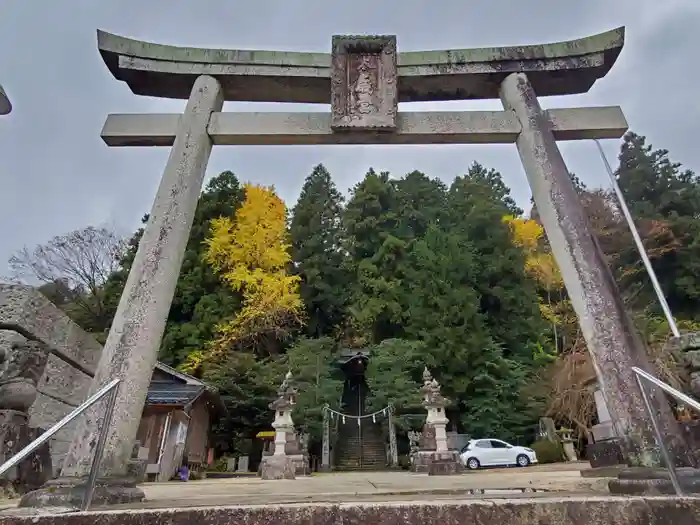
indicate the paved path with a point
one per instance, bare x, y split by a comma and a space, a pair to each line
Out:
373, 487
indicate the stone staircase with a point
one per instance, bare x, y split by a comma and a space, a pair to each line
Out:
360, 448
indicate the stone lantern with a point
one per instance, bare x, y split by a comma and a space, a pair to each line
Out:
434, 455
435, 403
567, 441
279, 465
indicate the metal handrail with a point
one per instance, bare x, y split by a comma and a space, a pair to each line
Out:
641, 374
109, 388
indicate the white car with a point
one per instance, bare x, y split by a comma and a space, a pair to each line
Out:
494, 452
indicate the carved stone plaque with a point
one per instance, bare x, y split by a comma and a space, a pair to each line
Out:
364, 94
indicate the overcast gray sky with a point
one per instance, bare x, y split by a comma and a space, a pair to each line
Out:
57, 175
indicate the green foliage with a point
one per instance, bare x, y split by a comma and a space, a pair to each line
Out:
420, 202
548, 451
311, 364
247, 385
653, 184
370, 221
317, 237
439, 267
664, 199
441, 309
508, 296
393, 376
369, 215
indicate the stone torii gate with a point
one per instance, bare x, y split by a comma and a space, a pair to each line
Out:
364, 79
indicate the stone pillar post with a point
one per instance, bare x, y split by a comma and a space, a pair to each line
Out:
279, 465
612, 339
393, 449
326, 446
131, 350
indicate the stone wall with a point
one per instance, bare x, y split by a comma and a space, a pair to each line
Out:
552, 511
27, 314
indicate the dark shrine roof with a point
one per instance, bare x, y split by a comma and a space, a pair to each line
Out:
348, 355
172, 393
170, 387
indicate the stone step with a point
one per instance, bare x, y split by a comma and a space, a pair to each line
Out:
360, 448
360, 452
349, 448
358, 461
363, 468
357, 440
356, 465
354, 457
360, 444
365, 457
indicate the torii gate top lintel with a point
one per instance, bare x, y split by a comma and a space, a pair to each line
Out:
281, 76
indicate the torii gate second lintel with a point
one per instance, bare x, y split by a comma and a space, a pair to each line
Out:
364, 79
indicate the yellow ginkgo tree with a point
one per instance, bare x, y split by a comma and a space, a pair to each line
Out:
539, 262
251, 254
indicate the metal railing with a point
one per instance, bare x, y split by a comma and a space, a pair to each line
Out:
680, 396
109, 389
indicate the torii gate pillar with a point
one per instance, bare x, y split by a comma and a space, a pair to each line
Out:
610, 334
131, 349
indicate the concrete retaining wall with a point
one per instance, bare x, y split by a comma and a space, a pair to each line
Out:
550, 511
27, 314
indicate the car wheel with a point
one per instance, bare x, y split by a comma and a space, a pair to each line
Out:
522, 460
473, 464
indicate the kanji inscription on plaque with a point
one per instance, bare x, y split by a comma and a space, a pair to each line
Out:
364, 93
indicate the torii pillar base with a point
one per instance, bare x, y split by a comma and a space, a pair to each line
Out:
70, 492
654, 482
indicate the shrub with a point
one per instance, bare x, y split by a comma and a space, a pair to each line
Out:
220, 465
548, 451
